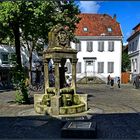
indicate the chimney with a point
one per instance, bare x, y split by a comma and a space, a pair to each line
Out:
114, 17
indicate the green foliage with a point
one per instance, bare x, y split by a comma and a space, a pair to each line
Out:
29, 22
125, 62
19, 80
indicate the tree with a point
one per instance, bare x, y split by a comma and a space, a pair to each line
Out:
41, 17
10, 19
125, 62
32, 20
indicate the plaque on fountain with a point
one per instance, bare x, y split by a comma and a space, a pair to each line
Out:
79, 129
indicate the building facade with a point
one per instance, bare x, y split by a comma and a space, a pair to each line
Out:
7, 61
99, 46
134, 49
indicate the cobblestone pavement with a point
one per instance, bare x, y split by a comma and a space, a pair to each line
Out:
116, 112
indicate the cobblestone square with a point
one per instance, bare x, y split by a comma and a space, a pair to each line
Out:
116, 112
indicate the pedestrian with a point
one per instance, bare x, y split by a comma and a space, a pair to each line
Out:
118, 82
108, 80
112, 82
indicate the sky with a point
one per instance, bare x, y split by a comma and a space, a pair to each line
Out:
128, 12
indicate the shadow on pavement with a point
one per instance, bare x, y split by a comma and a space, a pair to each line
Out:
108, 126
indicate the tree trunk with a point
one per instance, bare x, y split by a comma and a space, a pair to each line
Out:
30, 67
17, 44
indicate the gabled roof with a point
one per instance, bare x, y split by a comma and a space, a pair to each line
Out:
98, 25
136, 31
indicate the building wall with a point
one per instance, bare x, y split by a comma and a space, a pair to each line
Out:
134, 54
24, 56
105, 56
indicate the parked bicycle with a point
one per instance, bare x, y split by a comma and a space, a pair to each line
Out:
36, 87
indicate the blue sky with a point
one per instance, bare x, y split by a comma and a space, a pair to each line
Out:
128, 12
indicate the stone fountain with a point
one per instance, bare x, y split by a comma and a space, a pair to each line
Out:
60, 100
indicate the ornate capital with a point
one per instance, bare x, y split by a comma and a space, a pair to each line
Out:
57, 60
74, 60
46, 61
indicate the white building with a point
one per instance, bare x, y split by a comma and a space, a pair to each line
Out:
6, 55
134, 49
100, 46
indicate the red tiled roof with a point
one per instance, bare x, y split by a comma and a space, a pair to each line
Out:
137, 28
97, 24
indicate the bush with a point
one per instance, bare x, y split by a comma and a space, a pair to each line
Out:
19, 80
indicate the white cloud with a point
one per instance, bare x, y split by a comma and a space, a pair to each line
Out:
89, 6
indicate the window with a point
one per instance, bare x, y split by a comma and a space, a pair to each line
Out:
68, 65
132, 46
101, 46
111, 46
12, 58
85, 29
100, 67
129, 47
78, 46
89, 46
110, 67
4, 58
109, 29
78, 67
90, 63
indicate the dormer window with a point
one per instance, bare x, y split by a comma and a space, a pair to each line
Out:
85, 29
109, 29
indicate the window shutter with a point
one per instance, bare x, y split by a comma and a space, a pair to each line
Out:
111, 46
78, 46
101, 46
78, 67
110, 67
89, 46
100, 67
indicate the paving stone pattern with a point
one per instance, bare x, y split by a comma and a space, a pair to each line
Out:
116, 112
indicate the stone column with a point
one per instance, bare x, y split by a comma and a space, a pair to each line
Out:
74, 62
57, 76
46, 74
55, 100
62, 73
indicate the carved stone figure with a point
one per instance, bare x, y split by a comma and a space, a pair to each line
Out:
58, 37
